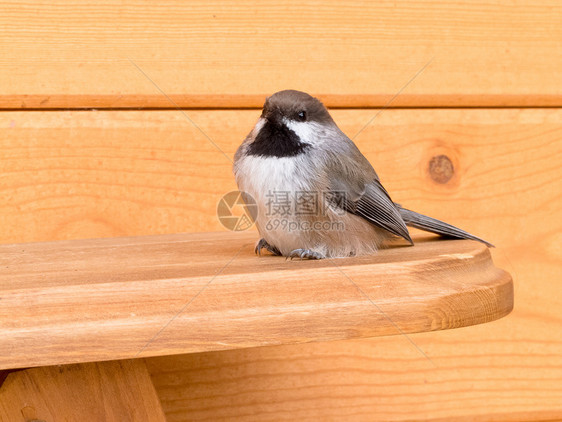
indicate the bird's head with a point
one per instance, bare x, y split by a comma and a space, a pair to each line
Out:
291, 121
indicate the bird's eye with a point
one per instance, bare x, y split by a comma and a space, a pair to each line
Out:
301, 115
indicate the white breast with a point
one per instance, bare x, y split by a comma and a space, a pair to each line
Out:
263, 177
271, 180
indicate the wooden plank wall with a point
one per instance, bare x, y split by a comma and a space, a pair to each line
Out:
477, 82
232, 53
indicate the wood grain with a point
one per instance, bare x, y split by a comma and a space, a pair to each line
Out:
88, 174
207, 54
101, 174
95, 300
109, 391
505, 371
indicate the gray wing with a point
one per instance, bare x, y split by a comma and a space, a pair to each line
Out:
374, 205
356, 188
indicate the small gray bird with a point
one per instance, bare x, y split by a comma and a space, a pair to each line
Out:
317, 196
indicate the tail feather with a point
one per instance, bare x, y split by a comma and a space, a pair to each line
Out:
423, 222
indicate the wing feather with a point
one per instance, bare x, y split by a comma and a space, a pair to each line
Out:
375, 206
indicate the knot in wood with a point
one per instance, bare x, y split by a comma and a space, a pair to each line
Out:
441, 169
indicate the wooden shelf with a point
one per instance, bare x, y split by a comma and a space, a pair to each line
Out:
207, 54
119, 298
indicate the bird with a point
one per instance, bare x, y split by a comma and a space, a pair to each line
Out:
316, 195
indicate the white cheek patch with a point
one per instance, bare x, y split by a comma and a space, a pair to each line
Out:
308, 132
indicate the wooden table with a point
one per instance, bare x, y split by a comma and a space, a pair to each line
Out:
102, 305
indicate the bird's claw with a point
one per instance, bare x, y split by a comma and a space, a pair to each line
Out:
305, 254
262, 243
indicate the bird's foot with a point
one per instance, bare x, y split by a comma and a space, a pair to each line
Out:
305, 254
262, 243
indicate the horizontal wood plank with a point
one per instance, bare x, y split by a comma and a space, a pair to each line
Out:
91, 174
106, 299
221, 53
